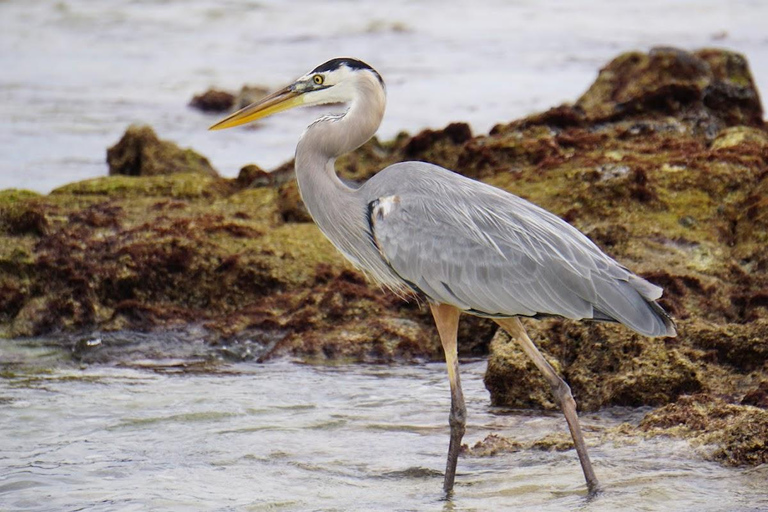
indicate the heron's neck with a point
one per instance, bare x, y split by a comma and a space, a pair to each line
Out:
331, 203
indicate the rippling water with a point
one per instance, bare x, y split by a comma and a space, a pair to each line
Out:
284, 436
75, 73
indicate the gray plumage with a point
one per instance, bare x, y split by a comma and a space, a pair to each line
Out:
464, 245
461, 242
491, 253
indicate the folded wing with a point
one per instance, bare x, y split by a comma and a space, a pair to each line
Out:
488, 252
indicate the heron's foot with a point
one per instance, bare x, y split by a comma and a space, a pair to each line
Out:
594, 490
457, 433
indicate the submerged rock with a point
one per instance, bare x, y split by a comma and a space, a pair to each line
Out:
213, 100
141, 153
738, 433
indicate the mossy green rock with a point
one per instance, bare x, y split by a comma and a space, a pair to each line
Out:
166, 252
710, 88
739, 433
141, 153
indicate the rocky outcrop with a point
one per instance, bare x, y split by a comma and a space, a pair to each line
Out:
141, 153
663, 162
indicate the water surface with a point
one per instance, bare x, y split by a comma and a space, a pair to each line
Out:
285, 436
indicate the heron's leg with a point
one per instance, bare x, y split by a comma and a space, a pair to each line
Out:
447, 320
562, 393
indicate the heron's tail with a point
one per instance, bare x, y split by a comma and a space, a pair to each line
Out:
633, 303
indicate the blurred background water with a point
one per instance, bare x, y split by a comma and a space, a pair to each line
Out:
75, 73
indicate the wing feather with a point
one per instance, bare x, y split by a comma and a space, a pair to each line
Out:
468, 244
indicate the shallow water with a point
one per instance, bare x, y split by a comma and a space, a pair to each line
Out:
76, 73
286, 436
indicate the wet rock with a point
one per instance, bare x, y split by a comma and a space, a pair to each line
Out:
603, 364
456, 133
647, 187
179, 252
711, 88
491, 445
250, 94
141, 153
20, 215
12, 298
737, 432
757, 396
213, 100
180, 186
253, 176
556, 442
512, 378
494, 444
438, 145
743, 347
732, 93
291, 206
738, 138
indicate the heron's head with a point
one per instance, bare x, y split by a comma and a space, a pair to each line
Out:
336, 81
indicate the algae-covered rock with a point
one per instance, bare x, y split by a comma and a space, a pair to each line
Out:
512, 378
491, 445
741, 138
679, 205
712, 88
177, 186
604, 365
141, 153
163, 252
494, 444
758, 396
20, 214
739, 433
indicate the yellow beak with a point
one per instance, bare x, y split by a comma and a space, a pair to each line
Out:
283, 99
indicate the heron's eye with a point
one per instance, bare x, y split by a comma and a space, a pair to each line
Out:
318, 79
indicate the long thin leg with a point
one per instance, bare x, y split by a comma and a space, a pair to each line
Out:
562, 393
447, 320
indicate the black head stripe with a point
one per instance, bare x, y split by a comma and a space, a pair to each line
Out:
351, 63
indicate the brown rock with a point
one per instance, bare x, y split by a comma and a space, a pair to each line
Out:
213, 100
253, 176
757, 396
642, 176
513, 380
250, 94
604, 365
711, 88
141, 153
492, 445
739, 432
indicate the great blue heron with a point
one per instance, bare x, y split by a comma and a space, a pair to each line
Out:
465, 246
